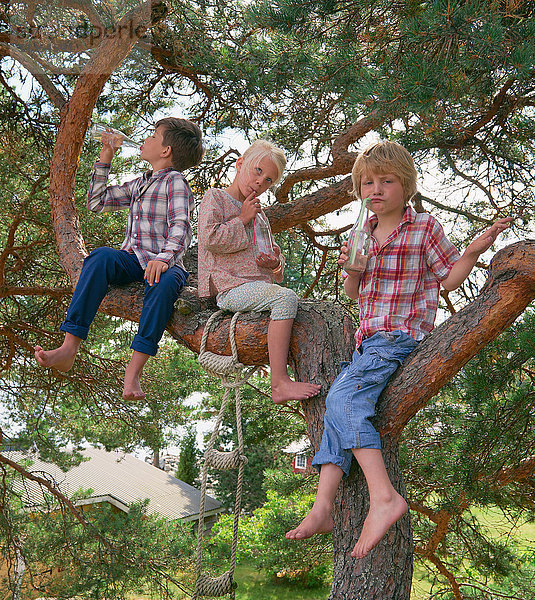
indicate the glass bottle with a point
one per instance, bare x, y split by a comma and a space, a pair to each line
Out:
117, 138
359, 240
262, 238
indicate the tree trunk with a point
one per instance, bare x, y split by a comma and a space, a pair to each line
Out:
156, 457
386, 573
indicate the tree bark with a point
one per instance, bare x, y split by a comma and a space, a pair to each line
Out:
74, 121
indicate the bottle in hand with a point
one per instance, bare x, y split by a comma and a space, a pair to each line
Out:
359, 241
115, 137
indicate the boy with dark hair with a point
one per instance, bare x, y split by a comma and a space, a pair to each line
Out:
397, 287
157, 235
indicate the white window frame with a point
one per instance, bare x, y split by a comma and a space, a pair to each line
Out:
301, 461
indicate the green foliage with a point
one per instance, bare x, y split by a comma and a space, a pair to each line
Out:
470, 451
114, 555
188, 462
304, 563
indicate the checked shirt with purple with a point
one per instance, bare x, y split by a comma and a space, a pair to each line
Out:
159, 207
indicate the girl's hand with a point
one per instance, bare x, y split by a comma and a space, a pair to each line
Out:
267, 261
250, 208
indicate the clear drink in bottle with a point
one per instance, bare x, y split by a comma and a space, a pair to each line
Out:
359, 241
263, 240
116, 138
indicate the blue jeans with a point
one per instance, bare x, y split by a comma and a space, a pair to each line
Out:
107, 266
351, 400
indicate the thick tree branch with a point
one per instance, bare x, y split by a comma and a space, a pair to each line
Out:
342, 161
75, 120
508, 290
312, 206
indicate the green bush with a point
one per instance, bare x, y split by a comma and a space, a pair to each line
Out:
263, 542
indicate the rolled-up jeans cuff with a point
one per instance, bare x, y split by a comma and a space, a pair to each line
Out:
77, 330
323, 458
141, 345
368, 440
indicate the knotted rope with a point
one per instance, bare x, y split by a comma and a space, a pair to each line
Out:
233, 376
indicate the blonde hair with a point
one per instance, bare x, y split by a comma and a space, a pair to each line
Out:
261, 149
386, 157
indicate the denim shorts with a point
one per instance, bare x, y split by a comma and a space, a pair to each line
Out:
351, 400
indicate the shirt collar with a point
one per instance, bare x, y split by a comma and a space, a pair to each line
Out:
157, 174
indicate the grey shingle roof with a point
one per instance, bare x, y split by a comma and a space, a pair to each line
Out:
121, 479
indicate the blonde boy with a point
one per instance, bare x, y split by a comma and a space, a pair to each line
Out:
397, 289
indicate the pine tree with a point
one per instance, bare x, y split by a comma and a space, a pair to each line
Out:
188, 462
452, 80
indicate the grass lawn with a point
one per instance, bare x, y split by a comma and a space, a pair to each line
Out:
253, 585
499, 528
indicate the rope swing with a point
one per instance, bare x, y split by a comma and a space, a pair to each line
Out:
233, 376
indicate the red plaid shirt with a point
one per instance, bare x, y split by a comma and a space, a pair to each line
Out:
159, 207
400, 287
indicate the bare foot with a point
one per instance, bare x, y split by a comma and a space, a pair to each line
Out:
61, 358
318, 520
378, 521
286, 390
132, 387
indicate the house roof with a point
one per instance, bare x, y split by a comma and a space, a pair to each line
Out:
298, 447
118, 478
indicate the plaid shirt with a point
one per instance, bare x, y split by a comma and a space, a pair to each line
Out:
399, 288
159, 207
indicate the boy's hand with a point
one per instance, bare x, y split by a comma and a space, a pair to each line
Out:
250, 208
485, 240
108, 148
154, 269
361, 260
344, 255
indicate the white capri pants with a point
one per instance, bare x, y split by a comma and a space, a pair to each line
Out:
259, 296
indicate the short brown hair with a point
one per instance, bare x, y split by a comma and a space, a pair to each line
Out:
386, 157
185, 139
